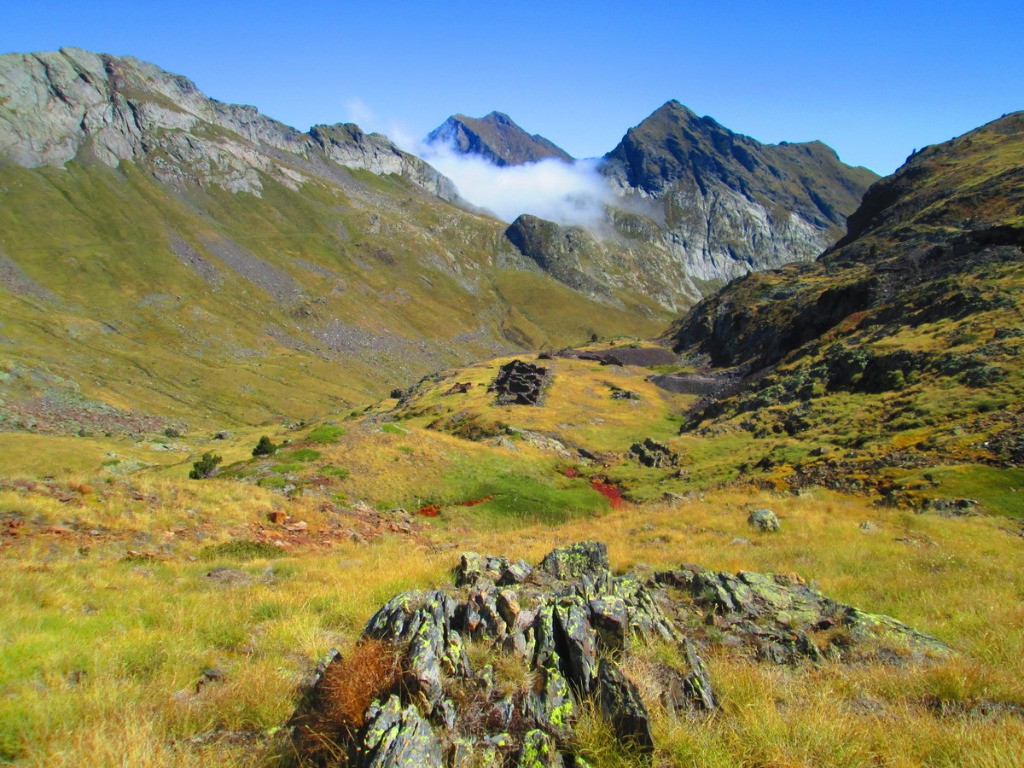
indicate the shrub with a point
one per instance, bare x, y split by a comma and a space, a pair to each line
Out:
205, 466
264, 447
240, 549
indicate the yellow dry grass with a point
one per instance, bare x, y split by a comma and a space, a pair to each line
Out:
102, 659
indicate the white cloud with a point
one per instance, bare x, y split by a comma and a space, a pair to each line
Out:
359, 112
568, 193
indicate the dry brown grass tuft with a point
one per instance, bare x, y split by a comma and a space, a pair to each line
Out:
350, 684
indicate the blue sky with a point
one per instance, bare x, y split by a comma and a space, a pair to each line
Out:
875, 80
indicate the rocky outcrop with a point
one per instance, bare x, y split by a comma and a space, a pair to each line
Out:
496, 138
653, 454
59, 106
519, 383
552, 638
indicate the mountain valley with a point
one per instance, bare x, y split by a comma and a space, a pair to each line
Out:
309, 461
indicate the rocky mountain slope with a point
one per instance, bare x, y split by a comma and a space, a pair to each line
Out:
167, 259
497, 138
697, 206
734, 204
903, 341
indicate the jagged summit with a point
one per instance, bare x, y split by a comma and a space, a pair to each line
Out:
676, 151
497, 138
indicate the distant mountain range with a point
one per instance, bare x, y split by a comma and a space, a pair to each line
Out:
698, 204
167, 258
154, 229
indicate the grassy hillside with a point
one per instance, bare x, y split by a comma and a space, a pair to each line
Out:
130, 309
892, 364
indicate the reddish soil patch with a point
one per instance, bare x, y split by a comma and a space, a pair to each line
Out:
430, 510
474, 502
610, 491
571, 472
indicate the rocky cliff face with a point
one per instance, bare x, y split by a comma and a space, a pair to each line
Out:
496, 138
56, 107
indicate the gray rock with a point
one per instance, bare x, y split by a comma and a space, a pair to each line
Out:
587, 558
398, 738
764, 520
697, 684
623, 708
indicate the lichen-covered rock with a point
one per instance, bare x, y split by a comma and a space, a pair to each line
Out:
397, 737
764, 520
622, 706
565, 625
423, 622
779, 616
577, 561
538, 751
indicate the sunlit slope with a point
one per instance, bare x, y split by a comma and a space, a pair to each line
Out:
207, 306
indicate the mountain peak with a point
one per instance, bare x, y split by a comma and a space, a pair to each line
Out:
674, 150
497, 138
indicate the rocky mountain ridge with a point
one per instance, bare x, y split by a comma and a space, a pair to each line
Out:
496, 138
696, 205
58, 106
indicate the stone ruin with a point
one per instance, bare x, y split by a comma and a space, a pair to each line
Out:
572, 627
653, 454
520, 383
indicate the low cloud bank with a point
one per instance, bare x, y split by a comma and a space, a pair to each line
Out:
551, 189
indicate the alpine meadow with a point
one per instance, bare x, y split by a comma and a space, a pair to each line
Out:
325, 449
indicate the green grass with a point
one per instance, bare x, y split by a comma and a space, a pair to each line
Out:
325, 434
304, 455
999, 491
240, 550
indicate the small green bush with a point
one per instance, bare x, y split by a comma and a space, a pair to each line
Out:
264, 447
205, 466
240, 549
